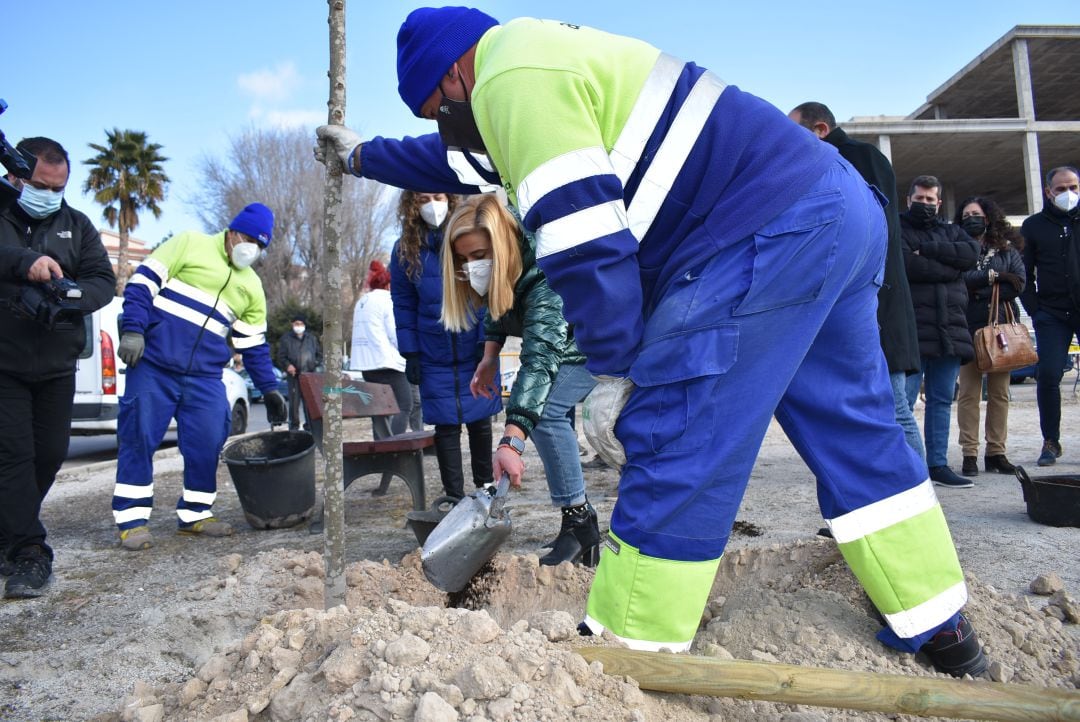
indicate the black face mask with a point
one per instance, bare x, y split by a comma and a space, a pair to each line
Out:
974, 226
457, 125
922, 213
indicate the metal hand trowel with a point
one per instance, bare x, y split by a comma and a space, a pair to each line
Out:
467, 537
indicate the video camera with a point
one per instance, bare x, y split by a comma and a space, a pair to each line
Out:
17, 163
55, 305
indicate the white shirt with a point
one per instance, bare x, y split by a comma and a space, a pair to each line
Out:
374, 335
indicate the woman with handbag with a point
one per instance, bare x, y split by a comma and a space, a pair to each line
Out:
1000, 267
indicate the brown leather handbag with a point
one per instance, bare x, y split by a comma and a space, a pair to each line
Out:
1003, 346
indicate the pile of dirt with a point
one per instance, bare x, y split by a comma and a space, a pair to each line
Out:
505, 648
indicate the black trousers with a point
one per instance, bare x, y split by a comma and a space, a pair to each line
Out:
295, 404
448, 452
35, 426
383, 426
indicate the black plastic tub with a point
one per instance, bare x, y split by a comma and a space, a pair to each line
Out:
1051, 500
274, 476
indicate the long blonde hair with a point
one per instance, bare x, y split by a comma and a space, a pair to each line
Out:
480, 214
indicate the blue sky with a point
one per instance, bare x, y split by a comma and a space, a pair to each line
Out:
193, 74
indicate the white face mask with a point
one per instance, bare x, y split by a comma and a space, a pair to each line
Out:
298, 330
479, 274
1067, 201
434, 212
244, 254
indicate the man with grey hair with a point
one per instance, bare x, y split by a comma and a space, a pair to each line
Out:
1052, 259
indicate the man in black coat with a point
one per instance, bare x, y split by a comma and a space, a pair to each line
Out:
42, 239
935, 255
298, 352
896, 316
1052, 259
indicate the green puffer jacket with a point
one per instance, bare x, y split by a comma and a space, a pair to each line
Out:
547, 341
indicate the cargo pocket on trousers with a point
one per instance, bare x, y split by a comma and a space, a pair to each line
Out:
793, 254
682, 370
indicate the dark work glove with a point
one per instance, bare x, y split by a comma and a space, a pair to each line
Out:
131, 347
1016, 281
275, 408
412, 369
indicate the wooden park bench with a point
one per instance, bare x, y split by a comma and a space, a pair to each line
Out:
400, 455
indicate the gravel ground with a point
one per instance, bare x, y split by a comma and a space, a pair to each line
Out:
130, 635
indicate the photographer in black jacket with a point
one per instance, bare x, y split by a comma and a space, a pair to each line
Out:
41, 238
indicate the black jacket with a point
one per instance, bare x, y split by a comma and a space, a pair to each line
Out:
935, 256
896, 316
305, 353
28, 349
979, 288
1052, 260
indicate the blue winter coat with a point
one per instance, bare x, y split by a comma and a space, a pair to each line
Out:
447, 360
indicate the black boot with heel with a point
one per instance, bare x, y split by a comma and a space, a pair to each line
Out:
579, 538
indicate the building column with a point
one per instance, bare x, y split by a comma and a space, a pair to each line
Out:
1025, 101
884, 144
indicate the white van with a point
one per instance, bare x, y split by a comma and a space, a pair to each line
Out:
99, 379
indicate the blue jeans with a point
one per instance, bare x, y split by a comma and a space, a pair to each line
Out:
904, 417
555, 438
940, 375
1052, 336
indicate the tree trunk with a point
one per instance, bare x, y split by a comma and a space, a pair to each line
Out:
333, 486
122, 262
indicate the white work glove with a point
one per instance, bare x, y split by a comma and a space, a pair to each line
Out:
343, 141
600, 412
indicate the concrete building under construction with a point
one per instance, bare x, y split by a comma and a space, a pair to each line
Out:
996, 126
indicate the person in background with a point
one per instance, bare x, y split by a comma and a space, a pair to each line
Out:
180, 307
375, 352
935, 255
238, 362
1000, 265
688, 227
491, 261
439, 361
895, 313
1052, 295
298, 352
42, 239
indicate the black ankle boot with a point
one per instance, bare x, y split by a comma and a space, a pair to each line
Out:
579, 538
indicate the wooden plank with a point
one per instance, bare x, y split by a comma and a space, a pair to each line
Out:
844, 689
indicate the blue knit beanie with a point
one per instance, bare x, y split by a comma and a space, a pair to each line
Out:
429, 42
257, 221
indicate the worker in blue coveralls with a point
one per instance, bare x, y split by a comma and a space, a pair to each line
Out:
180, 307
719, 266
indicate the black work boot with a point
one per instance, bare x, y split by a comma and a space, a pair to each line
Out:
999, 463
971, 466
579, 538
448, 451
957, 651
31, 574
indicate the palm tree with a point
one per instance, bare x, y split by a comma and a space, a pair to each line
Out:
126, 176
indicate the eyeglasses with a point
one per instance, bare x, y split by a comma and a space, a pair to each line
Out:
972, 215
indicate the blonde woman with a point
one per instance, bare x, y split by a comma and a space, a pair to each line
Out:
488, 260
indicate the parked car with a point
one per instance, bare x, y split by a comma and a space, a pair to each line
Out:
256, 395
99, 379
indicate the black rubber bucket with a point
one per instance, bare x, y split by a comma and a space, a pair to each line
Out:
1051, 500
274, 476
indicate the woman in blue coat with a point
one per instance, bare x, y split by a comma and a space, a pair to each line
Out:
439, 361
